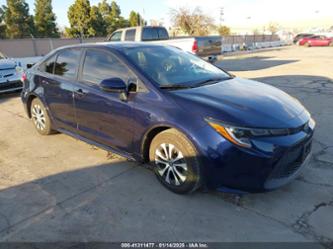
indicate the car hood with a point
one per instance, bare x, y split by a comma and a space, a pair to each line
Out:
7, 64
244, 103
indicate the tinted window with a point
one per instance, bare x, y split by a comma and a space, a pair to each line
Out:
149, 34
116, 36
48, 65
130, 35
162, 34
67, 63
99, 65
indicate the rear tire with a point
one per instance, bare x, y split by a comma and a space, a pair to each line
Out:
40, 117
331, 44
175, 161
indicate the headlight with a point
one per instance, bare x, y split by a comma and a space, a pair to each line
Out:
312, 123
236, 135
241, 136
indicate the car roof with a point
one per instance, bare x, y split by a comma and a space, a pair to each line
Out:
114, 45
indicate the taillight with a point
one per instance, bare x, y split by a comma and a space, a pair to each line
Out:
195, 47
23, 77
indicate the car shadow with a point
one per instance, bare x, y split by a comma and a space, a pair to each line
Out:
7, 96
251, 63
113, 201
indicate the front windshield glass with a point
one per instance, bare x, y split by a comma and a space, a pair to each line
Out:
169, 66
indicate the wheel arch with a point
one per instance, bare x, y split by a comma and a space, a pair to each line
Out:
148, 138
30, 98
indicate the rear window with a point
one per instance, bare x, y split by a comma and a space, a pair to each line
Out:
130, 35
67, 63
48, 65
150, 34
162, 34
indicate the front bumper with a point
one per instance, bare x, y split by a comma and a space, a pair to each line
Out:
233, 169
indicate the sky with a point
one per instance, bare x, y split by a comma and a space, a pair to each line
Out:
238, 14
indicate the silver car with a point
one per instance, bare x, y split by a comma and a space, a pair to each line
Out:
10, 75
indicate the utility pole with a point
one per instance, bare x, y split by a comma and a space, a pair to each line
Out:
221, 15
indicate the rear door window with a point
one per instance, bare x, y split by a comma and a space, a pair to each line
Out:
116, 36
130, 35
67, 63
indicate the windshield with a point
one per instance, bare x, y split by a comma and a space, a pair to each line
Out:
169, 66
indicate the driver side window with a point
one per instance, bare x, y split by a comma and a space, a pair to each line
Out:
99, 65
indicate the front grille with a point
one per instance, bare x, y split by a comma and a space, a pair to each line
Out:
10, 85
291, 162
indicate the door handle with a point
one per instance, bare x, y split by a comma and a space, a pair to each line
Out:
80, 92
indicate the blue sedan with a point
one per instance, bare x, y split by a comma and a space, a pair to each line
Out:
197, 125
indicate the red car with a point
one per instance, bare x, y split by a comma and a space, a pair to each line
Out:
316, 40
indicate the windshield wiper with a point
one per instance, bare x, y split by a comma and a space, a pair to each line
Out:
211, 81
171, 86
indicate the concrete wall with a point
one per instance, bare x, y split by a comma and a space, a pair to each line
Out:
37, 47
40, 46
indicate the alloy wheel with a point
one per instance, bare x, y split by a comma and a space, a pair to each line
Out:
171, 164
38, 117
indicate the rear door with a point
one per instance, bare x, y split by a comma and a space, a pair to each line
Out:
102, 116
57, 81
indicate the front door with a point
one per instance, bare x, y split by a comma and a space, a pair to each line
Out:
102, 116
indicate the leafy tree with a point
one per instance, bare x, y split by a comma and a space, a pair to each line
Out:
97, 21
19, 23
2, 24
273, 28
224, 30
112, 16
135, 19
45, 19
192, 22
79, 20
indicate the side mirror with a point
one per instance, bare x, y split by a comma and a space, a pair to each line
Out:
30, 66
114, 85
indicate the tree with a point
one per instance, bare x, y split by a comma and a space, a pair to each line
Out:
192, 22
80, 20
112, 16
19, 23
45, 24
273, 28
97, 21
2, 24
224, 30
256, 31
134, 19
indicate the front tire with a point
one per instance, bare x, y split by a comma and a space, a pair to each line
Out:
175, 160
307, 45
40, 117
